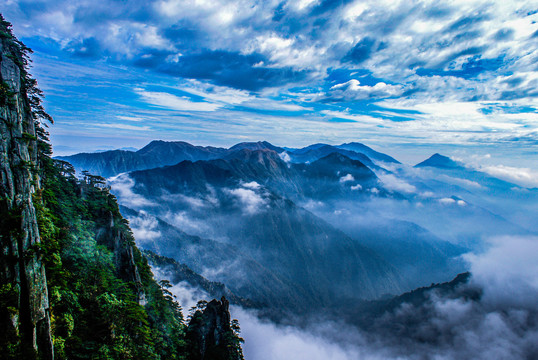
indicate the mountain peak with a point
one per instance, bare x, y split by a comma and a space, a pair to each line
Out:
260, 145
309, 148
336, 157
368, 151
257, 155
160, 144
439, 161
336, 160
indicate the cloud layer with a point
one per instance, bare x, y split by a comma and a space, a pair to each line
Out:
500, 325
460, 73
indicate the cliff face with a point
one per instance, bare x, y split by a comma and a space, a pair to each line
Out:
22, 272
210, 335
114, 234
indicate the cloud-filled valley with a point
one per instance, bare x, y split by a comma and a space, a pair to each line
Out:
454, 324
317, 244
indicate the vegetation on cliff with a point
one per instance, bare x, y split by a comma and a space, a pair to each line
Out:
104, 301
100, 300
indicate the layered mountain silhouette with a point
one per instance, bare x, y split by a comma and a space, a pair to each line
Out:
294, 230
267, 249
236, 220
161, 153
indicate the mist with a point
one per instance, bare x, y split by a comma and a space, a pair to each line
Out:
501, 324
426, 225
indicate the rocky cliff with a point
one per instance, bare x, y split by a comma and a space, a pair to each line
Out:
22, 273
210, 334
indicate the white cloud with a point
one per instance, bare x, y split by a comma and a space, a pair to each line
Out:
352, 90
451, 201
129, 118
394, 183
144, 227
124, 127
427, 194
183, 221
265, 340
251, 185
365, 119
459, 181
521, 176
186, 295
122, 186
347, 178
285, 156
508, 270
173, 102
148, 36
194, 203
447, 201
250, 201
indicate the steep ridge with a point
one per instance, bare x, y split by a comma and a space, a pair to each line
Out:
177, 273
249, 199
371, 153
335, 175
25, 311
260, 145
217, 261
497, 206
210, 329
233, 200
371, 314
156, 154
172, 152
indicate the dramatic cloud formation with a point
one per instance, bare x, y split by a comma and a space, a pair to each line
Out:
395, 73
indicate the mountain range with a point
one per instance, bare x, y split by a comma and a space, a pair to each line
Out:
161, 153
299, 229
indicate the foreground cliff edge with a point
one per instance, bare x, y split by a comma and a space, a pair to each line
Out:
73, 283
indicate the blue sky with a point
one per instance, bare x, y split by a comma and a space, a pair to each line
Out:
407, 77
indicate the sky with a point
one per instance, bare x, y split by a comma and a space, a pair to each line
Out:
408, 78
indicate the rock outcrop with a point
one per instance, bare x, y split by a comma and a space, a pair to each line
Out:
22, 273
210, 335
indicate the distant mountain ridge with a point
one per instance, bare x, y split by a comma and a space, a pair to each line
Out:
363, 149
249, 198
156, 154
163, 153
